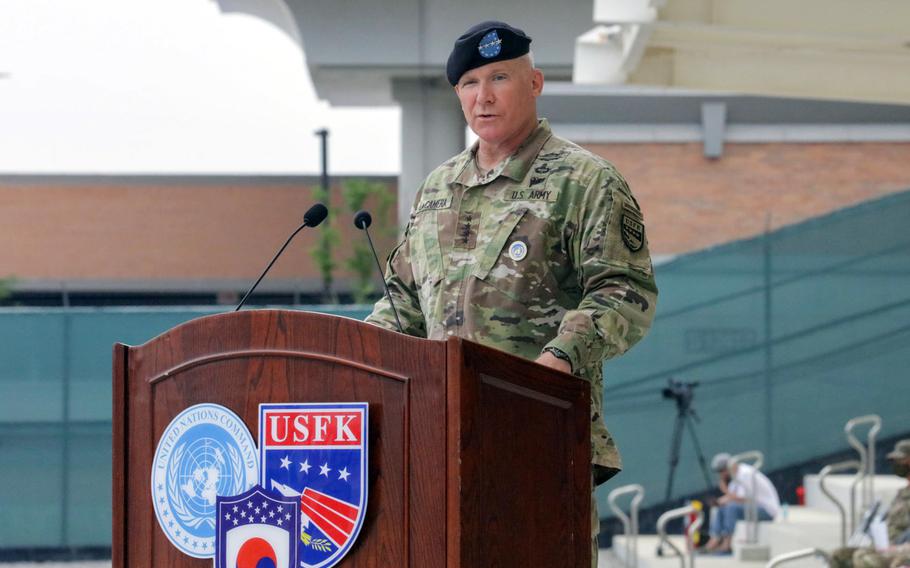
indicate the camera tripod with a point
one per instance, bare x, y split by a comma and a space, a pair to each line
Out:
686, 418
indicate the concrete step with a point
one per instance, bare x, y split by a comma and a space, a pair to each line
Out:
801, 528
885, 488
647, 545
648, 558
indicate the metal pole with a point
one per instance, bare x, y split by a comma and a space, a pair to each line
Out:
769, 353
630, 525
758, 459
662, 531
323, 134
65, 370
867, 459
799, 554
822, 475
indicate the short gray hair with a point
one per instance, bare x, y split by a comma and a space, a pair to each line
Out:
720, 461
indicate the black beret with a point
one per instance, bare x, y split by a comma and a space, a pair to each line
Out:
485, 43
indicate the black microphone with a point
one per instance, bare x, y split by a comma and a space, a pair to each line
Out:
314, 215
362, 220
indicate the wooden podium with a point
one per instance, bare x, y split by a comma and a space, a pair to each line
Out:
476, 458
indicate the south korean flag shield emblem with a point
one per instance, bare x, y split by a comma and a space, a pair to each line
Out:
317, 453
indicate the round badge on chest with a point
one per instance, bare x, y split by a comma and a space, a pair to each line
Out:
518, 250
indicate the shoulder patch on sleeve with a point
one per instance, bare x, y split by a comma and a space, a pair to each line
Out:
633, 230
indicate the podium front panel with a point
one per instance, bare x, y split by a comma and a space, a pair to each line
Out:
241, 360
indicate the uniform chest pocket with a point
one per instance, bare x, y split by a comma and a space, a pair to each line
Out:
519, 259
426, 253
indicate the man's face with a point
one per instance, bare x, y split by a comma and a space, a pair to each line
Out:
498, 100
901, 467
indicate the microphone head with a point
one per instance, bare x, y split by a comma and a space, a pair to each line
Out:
362, 220
315, 215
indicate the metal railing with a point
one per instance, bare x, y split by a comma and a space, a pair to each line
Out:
835, 468
797, 555
676, 514
866, 459
630, 522
751, 513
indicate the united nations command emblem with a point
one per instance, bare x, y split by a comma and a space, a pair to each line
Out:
206, 451
490, 45
317, 453
633, 232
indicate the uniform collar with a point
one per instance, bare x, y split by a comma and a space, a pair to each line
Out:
515, 167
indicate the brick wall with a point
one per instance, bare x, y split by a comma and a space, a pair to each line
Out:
148, 228
691, 202
143, 229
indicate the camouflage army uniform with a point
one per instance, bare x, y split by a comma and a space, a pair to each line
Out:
898, 522
546, 250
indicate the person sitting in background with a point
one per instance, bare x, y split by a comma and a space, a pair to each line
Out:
737, 484
897, 521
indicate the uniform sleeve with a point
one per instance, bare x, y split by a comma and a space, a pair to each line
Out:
400, 280
609, 251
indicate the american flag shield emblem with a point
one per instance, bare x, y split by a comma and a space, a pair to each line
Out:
317, 454
256, 530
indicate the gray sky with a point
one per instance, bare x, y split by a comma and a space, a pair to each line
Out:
168, 86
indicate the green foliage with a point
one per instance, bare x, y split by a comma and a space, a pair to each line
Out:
6, 287
356, 193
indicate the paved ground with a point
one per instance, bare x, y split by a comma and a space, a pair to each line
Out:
606, 560
93, 564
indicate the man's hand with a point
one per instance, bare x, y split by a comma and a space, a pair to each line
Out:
547, 359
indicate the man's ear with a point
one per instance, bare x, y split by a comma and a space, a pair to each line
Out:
537, 81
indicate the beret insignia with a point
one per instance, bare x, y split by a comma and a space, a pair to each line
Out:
490, 45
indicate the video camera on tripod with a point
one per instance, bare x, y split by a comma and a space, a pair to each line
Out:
681, 391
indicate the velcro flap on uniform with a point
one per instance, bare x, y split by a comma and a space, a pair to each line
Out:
493, 248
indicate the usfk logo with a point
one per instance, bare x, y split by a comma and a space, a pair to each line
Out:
205, 452
317, 453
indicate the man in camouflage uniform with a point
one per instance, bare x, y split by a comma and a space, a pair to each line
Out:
897, 520
524, 242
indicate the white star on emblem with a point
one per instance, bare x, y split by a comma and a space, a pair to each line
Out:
344, 474
305, 466
324, 469
235, 522
285, 463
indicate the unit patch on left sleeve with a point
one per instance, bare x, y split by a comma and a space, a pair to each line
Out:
633, 230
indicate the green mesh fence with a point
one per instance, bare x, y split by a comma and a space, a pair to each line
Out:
55, 418
789, 335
